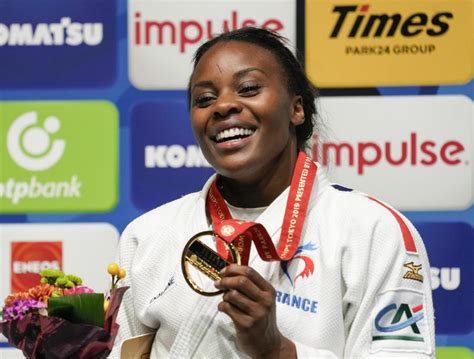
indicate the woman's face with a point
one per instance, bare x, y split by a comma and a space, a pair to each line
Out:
241, 111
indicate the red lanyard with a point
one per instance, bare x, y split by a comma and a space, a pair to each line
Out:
242, 233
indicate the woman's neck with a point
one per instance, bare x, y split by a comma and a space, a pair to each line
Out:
262, 189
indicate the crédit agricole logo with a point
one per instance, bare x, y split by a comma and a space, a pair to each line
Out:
58, 156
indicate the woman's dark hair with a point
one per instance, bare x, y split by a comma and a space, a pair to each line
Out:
298, 82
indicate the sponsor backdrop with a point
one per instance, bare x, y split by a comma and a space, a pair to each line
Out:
94, 126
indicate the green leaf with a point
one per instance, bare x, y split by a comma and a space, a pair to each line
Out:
80, 308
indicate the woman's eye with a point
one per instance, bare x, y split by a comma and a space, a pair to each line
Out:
249, 89
203, 100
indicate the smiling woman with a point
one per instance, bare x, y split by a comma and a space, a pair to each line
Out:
328, 277
244, 118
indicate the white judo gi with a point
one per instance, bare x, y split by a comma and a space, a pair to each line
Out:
354, 289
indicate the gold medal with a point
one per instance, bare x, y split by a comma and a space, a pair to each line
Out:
201, 264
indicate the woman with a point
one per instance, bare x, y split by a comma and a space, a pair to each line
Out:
343, 288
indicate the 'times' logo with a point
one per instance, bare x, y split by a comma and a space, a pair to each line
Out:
356, 21
30, 145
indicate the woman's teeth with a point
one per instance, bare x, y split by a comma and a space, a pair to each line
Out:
231, 133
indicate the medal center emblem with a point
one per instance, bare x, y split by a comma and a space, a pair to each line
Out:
227, 230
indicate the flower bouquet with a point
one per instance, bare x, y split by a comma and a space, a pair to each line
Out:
61, 318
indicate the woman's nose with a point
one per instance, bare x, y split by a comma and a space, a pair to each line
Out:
225, 105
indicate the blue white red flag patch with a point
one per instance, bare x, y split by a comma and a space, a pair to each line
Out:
399, 322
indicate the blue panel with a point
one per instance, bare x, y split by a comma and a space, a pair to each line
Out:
450, 249
165, 126
56, 44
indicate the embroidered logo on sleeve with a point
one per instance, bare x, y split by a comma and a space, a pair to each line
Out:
413, 272
400, 317
399, 322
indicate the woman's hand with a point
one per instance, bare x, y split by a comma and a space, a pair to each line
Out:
249, 301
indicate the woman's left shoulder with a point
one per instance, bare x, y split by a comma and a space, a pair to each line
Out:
361, 203
362, 210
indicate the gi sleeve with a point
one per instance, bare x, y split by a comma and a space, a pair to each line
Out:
130, 326
388, 309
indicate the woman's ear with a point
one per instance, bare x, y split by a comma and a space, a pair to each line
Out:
297, 111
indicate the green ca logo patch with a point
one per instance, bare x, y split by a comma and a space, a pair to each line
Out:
58, 156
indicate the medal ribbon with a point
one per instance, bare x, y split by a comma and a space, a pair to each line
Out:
242, 233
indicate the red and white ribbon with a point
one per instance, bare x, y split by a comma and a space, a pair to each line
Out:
242, 233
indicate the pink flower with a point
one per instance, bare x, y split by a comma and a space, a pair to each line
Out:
21, 307
80, 289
